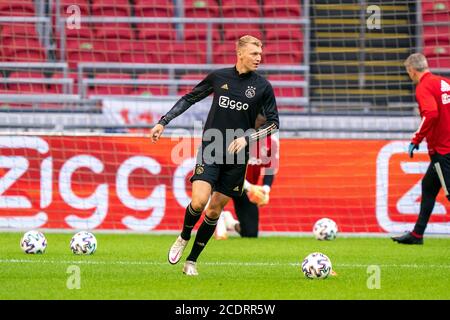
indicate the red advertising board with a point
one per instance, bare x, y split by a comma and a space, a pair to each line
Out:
128, 183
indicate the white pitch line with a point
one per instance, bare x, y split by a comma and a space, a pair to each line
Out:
224, 263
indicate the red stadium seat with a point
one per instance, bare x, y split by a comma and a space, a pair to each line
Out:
286, 91
281, 8
82, 4
188, 52
282, 53
438, 56
156, 31
154, 8
111, 8
64, 5
17, 8
436, 35
144, 51
24, 50
434, 11
58, 88
235, 31
85, 50
73, 38
283, 32
241, 8
225, 53
152, 89
104, 40
186, 88
111, 89
15, 30
27, 87
199, 32
113, 31
435, 6
87, 32
200, 9
15, 38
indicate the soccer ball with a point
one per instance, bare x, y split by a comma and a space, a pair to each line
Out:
316, 266
83, 242
325, 229
33, 242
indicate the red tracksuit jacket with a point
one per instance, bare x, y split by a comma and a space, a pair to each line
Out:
433, 97
262, 155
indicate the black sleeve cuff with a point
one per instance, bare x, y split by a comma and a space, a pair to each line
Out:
163, 121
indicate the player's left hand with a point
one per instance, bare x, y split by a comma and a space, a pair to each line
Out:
237, 145
258, 195
411, 148
265, 199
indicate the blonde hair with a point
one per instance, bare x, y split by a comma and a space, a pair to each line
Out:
417, 61
247, 39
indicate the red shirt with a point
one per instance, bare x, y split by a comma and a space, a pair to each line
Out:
262, 155
433, 97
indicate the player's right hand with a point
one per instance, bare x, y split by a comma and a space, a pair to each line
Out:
411, 148
156, 132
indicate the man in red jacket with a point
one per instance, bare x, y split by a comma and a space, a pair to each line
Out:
433, 97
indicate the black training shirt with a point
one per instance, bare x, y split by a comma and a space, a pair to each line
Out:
238, 99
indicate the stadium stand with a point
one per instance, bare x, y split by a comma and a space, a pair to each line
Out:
438, 56
111, 8
202, 32
17, 8
27, 82
148, 32
155, 89
201, 9
436, 32
111, 89
192, 79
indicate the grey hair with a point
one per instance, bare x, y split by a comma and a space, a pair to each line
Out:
417, 61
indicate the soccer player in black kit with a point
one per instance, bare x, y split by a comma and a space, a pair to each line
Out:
240, 94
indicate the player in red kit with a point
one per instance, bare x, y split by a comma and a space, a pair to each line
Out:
263, 160
433, 97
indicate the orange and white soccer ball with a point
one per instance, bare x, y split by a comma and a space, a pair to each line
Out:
317, 266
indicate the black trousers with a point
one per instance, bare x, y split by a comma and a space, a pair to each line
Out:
248, 215
431, 185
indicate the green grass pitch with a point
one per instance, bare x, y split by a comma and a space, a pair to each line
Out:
134, 266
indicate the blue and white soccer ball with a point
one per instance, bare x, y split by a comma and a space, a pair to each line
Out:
83, 242
316, 266
325, 229
33, 242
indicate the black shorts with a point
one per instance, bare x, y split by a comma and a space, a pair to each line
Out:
227, 179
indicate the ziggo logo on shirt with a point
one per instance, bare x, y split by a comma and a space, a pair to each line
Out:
226, 102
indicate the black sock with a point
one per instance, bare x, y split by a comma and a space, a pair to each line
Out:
190, 219
204, 233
